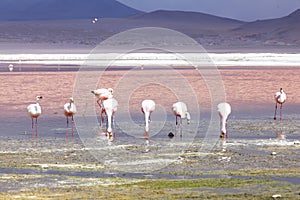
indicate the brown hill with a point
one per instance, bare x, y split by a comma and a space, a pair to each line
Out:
282, 31
212, 32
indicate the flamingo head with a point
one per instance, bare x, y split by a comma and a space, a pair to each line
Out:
71, 100
222, 135
188, 117
281, 90
111, 91
38, 98
146, 134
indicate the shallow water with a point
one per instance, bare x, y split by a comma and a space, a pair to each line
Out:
253, 136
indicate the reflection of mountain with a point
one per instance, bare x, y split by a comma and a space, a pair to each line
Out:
62, 9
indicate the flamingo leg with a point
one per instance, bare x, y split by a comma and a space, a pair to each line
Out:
176, 125
73, 126
99, 102
102, 118
180, 126
67, 132
280, 112
221, 136
36, 127
275, 111
114, 126
32, 132
226, 131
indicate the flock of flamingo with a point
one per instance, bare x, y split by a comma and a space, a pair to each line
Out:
108, 106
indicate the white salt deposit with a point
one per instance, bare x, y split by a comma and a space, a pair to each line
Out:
153, 59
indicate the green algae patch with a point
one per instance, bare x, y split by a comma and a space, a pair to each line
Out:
267, 172
206, 188
199, 183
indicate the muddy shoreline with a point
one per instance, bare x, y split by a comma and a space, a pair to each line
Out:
31, 165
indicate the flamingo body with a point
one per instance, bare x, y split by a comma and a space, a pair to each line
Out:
69, 111
224, 110
110, 106
280, 98
102, 94
148, 106
34, 111
70, 108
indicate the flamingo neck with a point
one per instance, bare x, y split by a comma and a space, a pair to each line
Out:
109, 129
223, 125
188, 117
147, 119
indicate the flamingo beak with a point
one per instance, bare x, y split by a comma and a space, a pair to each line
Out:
146, 134
188, 121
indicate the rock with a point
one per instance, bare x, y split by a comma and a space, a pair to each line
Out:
171, 135
275, 196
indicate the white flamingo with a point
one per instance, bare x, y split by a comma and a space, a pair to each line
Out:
34, 111
224, 110
280, 98
180, 110
69, 111
102, 94
110, 106
148, 106
11, 67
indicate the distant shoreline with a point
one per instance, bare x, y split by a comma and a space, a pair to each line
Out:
40, 48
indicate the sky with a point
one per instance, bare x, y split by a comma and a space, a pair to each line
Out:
245, 10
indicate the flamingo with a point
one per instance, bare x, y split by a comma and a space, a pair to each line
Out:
11, 67
34, 111
102, 94
224, 110
69, 111
110, 106
148, 106
280, 98
180, 110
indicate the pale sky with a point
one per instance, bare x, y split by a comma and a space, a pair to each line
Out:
246, 10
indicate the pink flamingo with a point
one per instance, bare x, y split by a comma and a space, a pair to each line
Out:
224, 110
180, 110
34, 111
69, 111
102, 94
148, 106
110, 106
280, 98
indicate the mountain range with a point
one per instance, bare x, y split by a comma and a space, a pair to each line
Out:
69, 22
22, 10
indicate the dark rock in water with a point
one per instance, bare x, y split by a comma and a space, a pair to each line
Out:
171, 135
